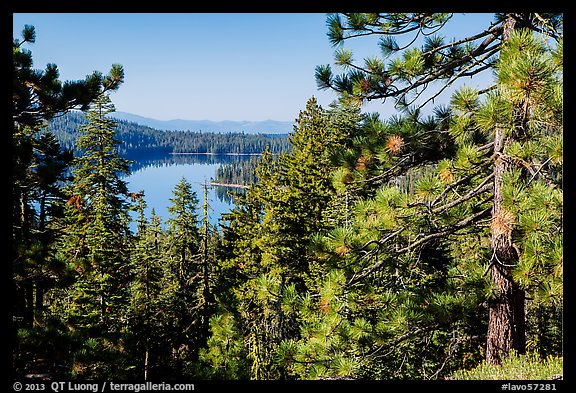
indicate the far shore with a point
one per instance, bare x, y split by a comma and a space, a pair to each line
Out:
220, 154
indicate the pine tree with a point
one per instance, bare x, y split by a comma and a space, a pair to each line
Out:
525, 229
405, 71
207, 269
39, 167
37, 269
184, 238
434, 244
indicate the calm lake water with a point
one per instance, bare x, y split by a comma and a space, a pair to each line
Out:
157, 176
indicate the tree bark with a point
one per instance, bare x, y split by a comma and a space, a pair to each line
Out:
146, 364
506, 324
506, 321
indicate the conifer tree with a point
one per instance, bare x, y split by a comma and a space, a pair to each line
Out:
36, 268
525, 229
267, 261
183, 235
207, 263
150, 299
185, 263
458, 223
96, 247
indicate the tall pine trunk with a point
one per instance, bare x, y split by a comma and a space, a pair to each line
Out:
506, 323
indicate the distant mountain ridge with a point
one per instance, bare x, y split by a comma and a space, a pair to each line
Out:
248, 127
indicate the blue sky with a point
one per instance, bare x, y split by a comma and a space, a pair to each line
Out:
202, 66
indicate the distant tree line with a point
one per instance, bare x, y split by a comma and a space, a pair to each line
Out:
140, 141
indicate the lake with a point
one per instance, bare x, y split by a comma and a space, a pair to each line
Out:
158, 175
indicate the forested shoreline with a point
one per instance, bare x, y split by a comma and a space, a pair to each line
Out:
423, 246
140, 141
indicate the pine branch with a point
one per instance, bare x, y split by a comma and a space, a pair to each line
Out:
401, 30
404, 337
492, 31
539, 169
451, 65
451, 186
482, 187
447, 231
430, 236
478, 190
386, 173
463, 73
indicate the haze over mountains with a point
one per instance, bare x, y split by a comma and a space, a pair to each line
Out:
248, 127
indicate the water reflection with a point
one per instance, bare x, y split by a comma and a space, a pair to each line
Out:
158, 174
158, 159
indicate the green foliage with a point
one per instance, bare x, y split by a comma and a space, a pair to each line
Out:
102, 357
151, 289
225, 354
430, 245
95, 248
50, 96
183, 259
42, 350
530, 366
270, 231
39, 170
